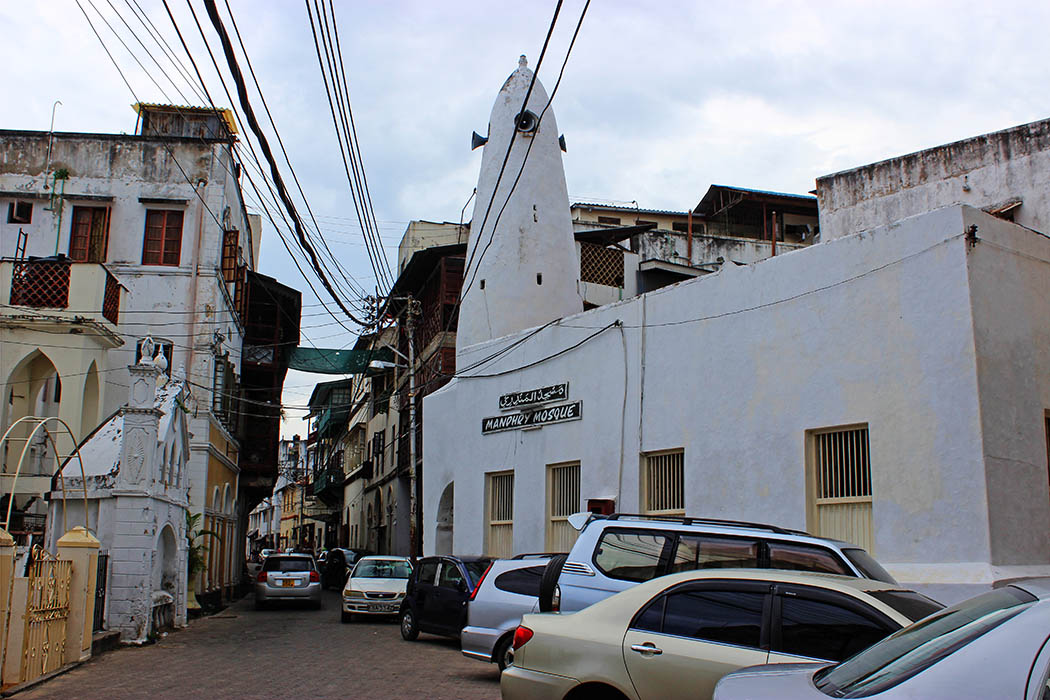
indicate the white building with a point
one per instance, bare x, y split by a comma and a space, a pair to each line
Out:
890, 387
135, 487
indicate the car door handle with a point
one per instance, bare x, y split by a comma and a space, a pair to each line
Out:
647, 648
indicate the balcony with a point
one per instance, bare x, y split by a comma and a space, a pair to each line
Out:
48, 284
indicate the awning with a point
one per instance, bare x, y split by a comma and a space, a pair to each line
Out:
342, 361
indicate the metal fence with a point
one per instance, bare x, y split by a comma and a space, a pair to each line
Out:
100, 592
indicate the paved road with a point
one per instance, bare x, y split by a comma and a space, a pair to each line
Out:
283, 653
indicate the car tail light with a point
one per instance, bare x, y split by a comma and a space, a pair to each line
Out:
556, 599
314, 577
261, 578
477, 586
521, 635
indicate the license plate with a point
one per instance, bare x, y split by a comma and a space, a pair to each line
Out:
288, 582
380, 608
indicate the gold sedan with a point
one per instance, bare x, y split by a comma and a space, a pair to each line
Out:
676, 636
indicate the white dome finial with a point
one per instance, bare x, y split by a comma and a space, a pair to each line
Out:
523, 62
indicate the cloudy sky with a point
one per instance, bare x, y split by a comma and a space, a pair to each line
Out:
659, 100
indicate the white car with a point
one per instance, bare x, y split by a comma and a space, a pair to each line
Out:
674, 637
376, 586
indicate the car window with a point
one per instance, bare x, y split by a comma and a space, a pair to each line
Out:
382, 568
288, 564
450, 575
825, 630
912, 605
804, 557
476, 568
524, 581
428, 571
919, 646
706, 552
651, 618
633, 556
731, 617
867, 565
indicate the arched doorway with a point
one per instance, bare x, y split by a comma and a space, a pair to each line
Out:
89, 407
166, 570
445, 520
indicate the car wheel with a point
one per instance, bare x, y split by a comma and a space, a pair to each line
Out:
503, 654
549, 580
347, 617
409, 630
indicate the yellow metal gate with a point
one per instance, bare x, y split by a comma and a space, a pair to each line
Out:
47, 609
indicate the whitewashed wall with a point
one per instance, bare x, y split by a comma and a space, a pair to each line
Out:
735, 367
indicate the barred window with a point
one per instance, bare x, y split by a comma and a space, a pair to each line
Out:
601, 265
563, 499
663, 483
840, 493
500, 515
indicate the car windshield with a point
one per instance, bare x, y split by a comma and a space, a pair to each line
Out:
914, 649
382, 568
288, 564
912, 605
867, 565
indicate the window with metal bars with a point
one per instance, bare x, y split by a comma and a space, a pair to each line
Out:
840, 493
843, 468
563, 499
89, 234
663, 483
601, 265
500, 514
162, 244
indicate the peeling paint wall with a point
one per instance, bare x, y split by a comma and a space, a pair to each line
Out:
985, 171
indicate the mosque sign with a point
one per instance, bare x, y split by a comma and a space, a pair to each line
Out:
533, 419
555, 392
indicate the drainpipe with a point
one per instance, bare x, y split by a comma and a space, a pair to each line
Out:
689, 239
774, 234
201, 184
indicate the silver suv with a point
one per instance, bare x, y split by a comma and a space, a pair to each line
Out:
508, 589
613, 553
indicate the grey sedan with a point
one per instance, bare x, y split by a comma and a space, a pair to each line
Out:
996, 645
288, 577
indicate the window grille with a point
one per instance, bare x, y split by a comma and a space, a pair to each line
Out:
563, 499
663, 483
500, 514
162, 244
612, 220
841, 485
40, 284
601, 265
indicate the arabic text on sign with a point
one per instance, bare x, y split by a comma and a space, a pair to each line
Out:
555, 392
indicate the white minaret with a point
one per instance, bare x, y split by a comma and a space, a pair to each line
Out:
523, 262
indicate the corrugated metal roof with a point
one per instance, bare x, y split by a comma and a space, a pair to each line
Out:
225, 113
610, 207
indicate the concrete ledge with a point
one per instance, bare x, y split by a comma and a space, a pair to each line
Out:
106, 640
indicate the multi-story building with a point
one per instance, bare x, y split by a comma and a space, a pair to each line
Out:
109, 238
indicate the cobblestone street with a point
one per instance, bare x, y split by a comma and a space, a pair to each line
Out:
281, 653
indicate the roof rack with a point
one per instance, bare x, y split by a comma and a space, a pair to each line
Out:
536, 555
686, 520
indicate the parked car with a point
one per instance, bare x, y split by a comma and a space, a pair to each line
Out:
288, 577
674, 637
376, 586
437, 594
614, 553
993, 646
507, 590
338, 564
